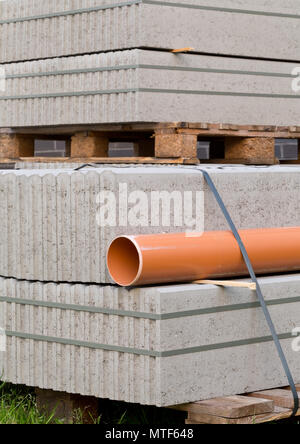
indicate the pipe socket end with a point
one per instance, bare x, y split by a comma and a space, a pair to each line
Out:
124, 261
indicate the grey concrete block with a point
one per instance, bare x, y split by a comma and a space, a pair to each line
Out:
286, 149
252, 28
50, 148
148, 86
50, 230
159, 345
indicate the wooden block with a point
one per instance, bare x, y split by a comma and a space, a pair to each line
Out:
278, 414
15, 145
89, 144
229, 407
176, 145
262, 149
67, 407
282, 398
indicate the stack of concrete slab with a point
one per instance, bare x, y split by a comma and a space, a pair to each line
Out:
33, 29
57, 225
83, 62
142, 85
148, 86
159, 345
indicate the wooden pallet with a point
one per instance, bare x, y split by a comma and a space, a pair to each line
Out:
255, 408
174, 142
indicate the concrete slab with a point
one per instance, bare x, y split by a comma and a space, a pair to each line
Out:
159, 345
55, 224
148, 86
252, 28
26, 165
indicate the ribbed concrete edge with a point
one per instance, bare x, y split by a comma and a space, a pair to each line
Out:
148, 86
160, 345
227, 27
50, 230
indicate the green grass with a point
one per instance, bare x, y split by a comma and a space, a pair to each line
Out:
18, 406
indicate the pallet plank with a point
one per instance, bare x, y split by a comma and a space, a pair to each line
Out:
200, 128
212, 129
229, 407
282, 398
107, 160
278, 414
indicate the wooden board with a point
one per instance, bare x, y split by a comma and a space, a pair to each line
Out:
278, 414
106, 160
240, 409
229, 407
199, 128
250, 285
282, 398
221, 130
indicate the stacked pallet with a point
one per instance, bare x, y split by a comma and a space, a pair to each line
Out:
49, 92
92, 73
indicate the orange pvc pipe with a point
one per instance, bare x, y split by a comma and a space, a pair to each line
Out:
164, 258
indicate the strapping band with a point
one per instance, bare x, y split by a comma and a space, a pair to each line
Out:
144, 315
151, 67
148, 90
145, 352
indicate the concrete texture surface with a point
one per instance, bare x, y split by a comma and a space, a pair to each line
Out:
27, 165
148, 86
49, 217
159, 345
251, 28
